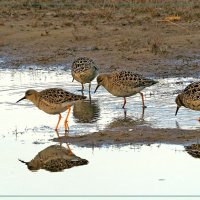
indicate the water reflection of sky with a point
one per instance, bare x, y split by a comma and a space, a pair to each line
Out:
130, 170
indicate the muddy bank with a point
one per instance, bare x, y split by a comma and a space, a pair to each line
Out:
133, 136
115, 34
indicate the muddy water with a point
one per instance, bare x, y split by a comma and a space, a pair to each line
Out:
25, 131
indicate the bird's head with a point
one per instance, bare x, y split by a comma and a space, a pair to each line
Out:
30, 95
102, 79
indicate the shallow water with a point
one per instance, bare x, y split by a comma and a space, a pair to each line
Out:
103, 111
149, 170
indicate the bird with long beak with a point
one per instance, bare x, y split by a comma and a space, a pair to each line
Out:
189, 97
53, 101
124, 84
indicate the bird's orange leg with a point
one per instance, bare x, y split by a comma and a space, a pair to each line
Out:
142, 100
58, 122
124, 102
66, 119
199, 119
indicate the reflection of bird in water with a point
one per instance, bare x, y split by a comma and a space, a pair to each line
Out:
126, 121
189, 97
86, 111
124, 84
55, 158
193, 150
53, 101
84, 70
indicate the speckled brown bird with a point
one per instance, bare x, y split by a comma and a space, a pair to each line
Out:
189, 97
53, 101
84, 70
124, 84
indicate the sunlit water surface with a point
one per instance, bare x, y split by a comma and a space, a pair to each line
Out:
25, 130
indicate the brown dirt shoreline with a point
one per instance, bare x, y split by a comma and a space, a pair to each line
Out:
128, 34
134, 136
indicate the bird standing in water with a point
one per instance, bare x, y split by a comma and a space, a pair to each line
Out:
189, 97
53, 101
124, 84
84, 70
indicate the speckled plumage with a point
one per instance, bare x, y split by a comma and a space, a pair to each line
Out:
57, 95
189, 97
55, 100
52, 100
124, 83
55, 158
84, 70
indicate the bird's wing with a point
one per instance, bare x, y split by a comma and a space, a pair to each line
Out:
192, 91
129, 79
57, 96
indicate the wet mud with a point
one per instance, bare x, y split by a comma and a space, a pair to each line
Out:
133, 136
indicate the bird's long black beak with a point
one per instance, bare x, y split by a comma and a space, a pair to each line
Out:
177, 110
73, 80
96, 88
23, 162
21, 99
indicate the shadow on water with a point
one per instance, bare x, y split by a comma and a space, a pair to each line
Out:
55, 158
87, 111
